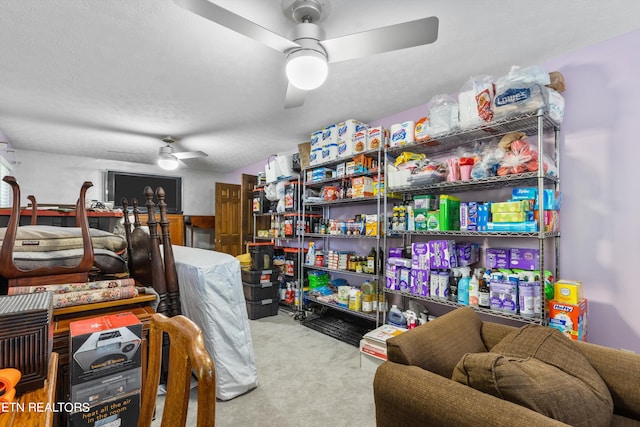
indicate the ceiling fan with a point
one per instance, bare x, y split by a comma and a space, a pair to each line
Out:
169, 160
308, 52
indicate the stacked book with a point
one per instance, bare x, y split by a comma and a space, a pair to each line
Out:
71, 294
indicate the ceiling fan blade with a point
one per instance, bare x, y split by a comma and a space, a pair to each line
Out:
385, 39
237, 23
189, 155
294, 97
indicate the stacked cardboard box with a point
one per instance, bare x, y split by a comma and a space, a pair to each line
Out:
106, 369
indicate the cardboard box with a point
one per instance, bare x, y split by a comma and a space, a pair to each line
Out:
373, 346
102, 346
362, 186
567, 291
570, 319
449, 212
123, 411
108, 387
304, 151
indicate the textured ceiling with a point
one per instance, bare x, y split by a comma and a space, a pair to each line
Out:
108, 79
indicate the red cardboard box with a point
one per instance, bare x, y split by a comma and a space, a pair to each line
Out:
570, 319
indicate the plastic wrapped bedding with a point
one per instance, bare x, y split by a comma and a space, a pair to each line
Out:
211, 295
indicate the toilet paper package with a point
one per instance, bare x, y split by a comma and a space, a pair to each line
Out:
402, 133
316, 139
315, 156
330, 152
330, 135
345, 148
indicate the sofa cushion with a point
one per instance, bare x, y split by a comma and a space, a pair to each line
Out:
41, 238
439, 344
539, 368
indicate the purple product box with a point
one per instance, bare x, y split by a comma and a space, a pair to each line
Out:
442, 254
403, 279
391, 277
464, 215
420, 259
496, 258
504, 296
467, 253
472, 216
525, 259
419, 282
395, 252
483, 216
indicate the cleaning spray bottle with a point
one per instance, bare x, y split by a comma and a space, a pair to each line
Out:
311, 254
474, 290
463, 286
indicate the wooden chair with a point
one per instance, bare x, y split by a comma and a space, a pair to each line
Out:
187, 354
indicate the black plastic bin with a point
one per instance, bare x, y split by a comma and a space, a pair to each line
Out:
262, 308
261, 256
258, 276
260, 291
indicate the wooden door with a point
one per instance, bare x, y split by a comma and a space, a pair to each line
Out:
248, 183
228, 227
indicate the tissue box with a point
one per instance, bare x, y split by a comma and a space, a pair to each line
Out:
567, 291
467, 253
496, 258
513, 206
525, 259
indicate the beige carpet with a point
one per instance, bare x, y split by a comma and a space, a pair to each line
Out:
305, 378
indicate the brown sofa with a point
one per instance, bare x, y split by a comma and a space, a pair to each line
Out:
413, 387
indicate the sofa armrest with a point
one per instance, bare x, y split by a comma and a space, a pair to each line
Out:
620, 371
411, 396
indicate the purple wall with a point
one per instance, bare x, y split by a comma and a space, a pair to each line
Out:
599, 148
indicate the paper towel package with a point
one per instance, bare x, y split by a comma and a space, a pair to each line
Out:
360, 141
402, 133
348, 128
376, 137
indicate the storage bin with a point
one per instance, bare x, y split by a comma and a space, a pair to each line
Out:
260, 291
260, 203
261, 255
263, 308
291, 262
258, 276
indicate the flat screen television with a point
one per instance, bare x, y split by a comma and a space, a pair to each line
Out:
131, 185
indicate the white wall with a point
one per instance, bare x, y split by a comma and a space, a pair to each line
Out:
54, 178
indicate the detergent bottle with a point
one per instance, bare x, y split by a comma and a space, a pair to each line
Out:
463, 286
396, 318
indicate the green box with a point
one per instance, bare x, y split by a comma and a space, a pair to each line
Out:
513, 206
420, 219
509, 216
449, 212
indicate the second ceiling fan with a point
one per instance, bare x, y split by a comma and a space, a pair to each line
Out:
308, 52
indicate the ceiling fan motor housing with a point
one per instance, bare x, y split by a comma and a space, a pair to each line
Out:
303, 10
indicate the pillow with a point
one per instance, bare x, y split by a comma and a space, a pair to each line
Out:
41, 238
106, 261
439, 344
541, 369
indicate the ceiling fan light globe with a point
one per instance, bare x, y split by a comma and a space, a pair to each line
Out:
167, 162
307, 69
